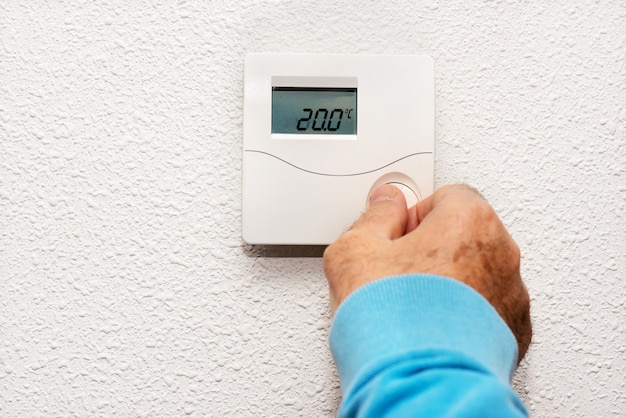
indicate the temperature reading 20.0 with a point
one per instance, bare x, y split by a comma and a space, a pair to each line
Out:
314, 111
323, 119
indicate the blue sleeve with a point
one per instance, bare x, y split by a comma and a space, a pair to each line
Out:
423, 345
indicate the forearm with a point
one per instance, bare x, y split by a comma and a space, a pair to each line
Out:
423, 345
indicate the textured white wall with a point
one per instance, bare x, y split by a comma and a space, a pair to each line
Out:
124, 286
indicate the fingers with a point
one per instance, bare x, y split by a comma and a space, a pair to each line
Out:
386, 216
448, 195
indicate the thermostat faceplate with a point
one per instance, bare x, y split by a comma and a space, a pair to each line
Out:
321, 130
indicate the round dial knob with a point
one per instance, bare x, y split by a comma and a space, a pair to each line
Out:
402, 182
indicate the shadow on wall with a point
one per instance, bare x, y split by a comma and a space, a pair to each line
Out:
284, 251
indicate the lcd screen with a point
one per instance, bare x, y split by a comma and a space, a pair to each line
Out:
314, 111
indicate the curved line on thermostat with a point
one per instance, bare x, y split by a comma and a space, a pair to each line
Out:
339, 175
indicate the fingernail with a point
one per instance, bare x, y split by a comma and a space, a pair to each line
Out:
384, 192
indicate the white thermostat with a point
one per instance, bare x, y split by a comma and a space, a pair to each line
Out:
322, 131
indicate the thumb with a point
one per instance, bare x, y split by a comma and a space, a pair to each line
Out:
386, 215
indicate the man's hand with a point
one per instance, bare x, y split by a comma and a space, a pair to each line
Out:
453, 233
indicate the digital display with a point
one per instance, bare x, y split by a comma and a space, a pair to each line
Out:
314, 111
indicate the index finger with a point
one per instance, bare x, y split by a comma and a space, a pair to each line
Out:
450, 193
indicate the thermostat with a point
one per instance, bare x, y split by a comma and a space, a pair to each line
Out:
322, 131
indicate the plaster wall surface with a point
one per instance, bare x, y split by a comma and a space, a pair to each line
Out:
125, 289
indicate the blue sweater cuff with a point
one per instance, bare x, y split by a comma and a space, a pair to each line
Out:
418, 313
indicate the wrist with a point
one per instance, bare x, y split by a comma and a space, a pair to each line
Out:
415, 314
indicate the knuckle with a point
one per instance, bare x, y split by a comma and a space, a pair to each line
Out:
515, 251
478, 212
461, 187
483, 210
